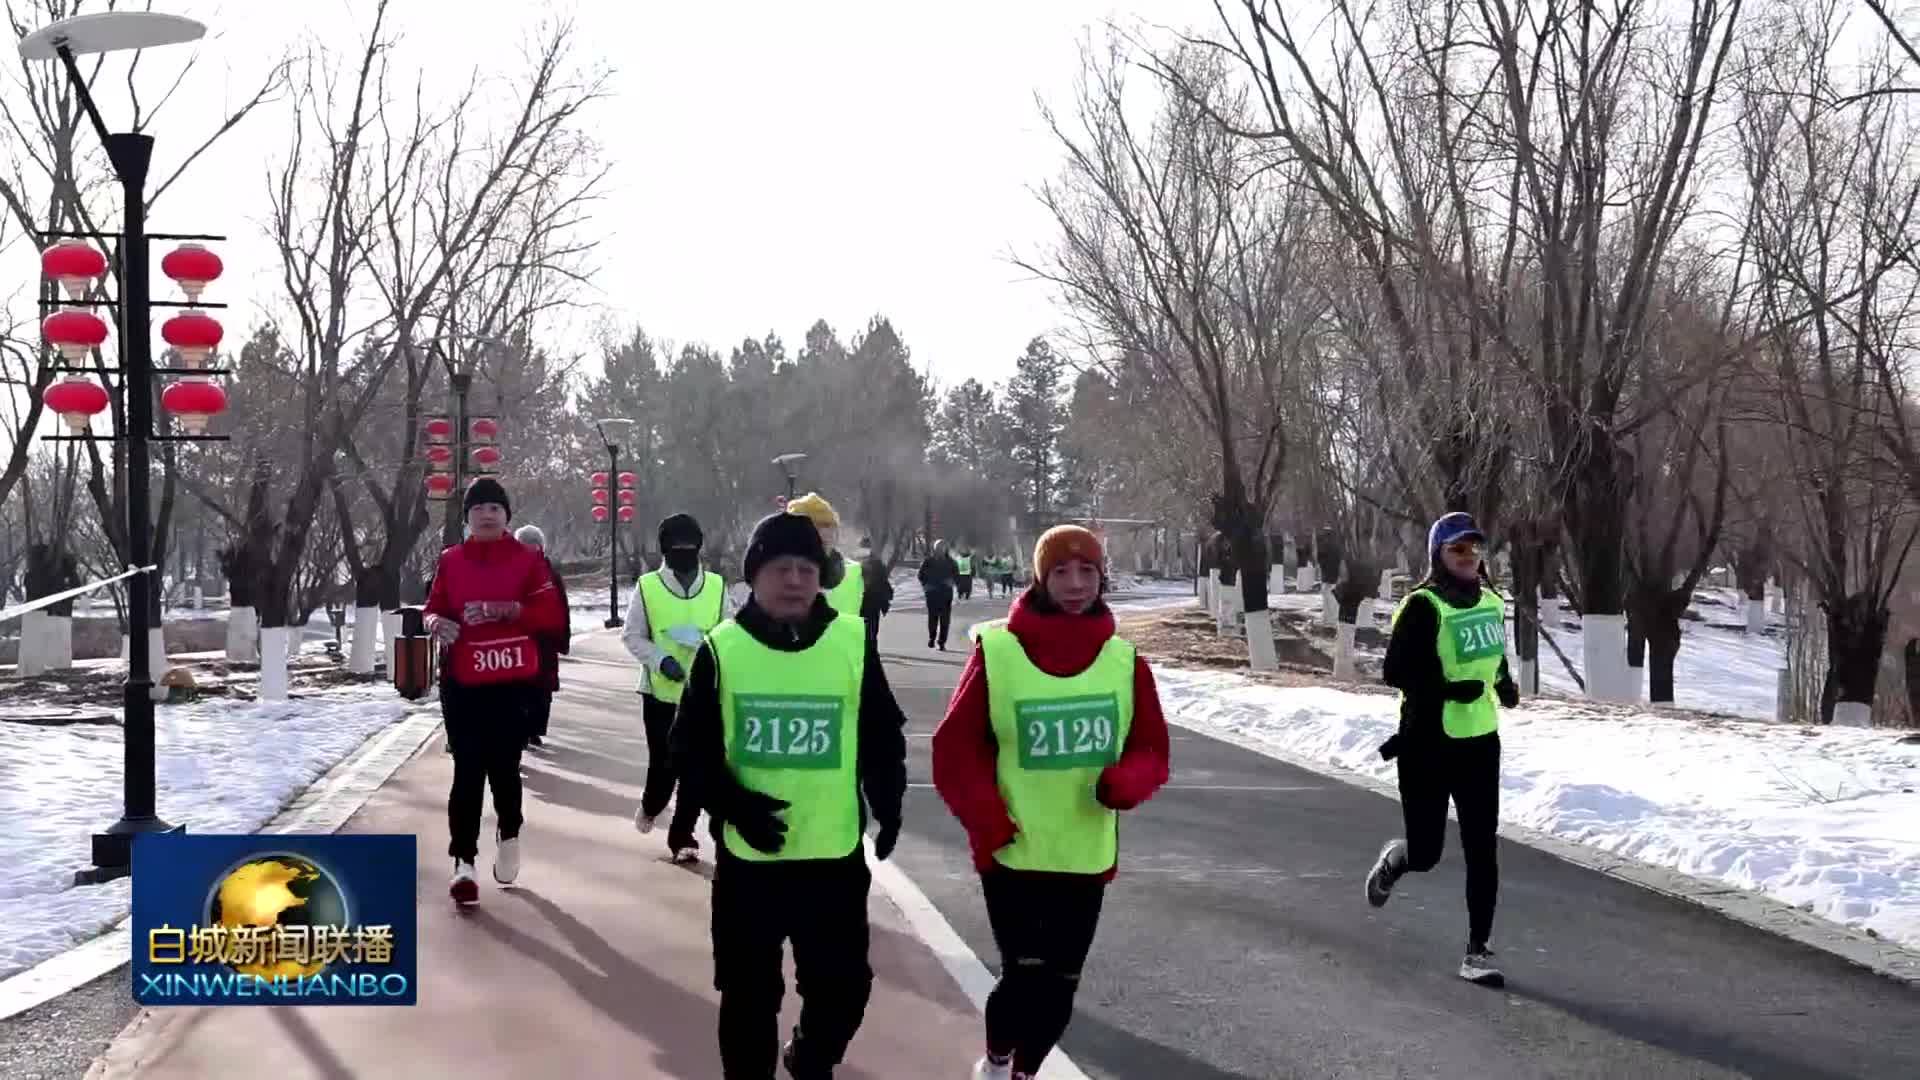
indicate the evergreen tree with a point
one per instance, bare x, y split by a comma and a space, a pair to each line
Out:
1034, 413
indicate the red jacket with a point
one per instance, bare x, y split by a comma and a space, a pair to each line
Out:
965, 755
503, 569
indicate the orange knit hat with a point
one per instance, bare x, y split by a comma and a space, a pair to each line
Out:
1063, 542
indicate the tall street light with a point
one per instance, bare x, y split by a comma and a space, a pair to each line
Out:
130, 154
790, 464
612, 428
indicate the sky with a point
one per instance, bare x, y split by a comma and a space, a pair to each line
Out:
772, 163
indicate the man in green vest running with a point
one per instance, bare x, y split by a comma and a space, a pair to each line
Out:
1447, 656
673, 610
963, 581
786, 722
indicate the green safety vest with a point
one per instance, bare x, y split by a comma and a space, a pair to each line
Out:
847, 596
965, 564
1473, 642
1055, 736
666, 610
791, 723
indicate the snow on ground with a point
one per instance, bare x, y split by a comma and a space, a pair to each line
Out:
1827, 819
222, 768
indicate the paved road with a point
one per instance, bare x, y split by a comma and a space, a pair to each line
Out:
1237, 944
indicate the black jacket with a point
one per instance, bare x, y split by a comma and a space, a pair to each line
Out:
937, 573
1413, 665
699, 744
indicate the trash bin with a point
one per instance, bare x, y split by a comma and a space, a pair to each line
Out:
413, 655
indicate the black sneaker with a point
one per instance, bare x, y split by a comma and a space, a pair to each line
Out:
1386, 870
790, 1057
1478, 968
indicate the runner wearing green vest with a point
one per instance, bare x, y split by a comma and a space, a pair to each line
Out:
1055, 729
855, 588
786, 722
963, 580
1448, 658
673, 610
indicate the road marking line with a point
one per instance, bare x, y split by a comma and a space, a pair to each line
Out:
1207, 787
952, 951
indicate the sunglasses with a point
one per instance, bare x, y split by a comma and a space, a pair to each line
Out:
1463, 548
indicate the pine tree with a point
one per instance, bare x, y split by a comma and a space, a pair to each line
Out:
1035, 414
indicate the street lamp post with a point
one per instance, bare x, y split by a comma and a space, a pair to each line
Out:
610, 429
130, 154
789, 464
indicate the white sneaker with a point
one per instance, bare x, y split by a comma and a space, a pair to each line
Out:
643, 821
686, 855
464, 889
985, 1069
506, 861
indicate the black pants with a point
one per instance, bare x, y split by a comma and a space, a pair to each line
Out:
1466, 771
539, 711
964, 586
1043, 925
820, 906
939, 616
486, 731
657, 715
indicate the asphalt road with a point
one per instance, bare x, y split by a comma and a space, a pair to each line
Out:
1236, 943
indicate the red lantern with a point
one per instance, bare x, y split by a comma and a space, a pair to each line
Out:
598, 479
193, 402
191, 267
439, 455
600, 496
193, 335
486, 457
438, 429
484, 428
76, 400
439, 486
626, 513
627, 479
626, 498
75, 265
599, 513
74, 332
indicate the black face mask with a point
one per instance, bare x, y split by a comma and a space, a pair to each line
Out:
683, 560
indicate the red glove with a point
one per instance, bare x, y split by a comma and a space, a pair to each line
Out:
1120, 789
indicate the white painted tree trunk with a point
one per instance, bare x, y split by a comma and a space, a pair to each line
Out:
1756, 616
1776, 598
1261, 655
1210, 593
243, 631
1343, 651
366, 640
1386, 586
1306, 579
36, 654
60, 642
1529, 676
1329, 608
1363, 616
1604, 659
273, 662
1852, 714
390, 631
199, 598
1277, 578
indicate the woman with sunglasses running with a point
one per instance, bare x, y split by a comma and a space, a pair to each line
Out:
1447, 655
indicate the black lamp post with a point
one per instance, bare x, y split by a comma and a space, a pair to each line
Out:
790, 464
130, 154
609, 429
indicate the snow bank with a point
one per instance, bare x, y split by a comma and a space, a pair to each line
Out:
222, 768
1826, 819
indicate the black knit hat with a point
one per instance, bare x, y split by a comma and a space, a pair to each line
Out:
783, 534
680, 529
486, 489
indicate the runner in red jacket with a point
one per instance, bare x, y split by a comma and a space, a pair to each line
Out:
492, 601
1044, 917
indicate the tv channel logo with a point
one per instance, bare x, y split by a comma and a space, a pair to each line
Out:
275, 919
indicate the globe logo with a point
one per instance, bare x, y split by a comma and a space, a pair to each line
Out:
273, 916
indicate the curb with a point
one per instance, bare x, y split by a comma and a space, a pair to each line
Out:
1757, 910
323, 807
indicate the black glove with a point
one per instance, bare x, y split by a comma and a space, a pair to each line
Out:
883, 843
671, 670
757, 820
1391, 748
1509, 694
1466, 691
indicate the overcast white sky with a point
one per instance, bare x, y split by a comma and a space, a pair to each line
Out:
774, 162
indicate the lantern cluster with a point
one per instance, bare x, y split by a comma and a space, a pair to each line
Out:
193, 335
74, 332
483, 433
602, 497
